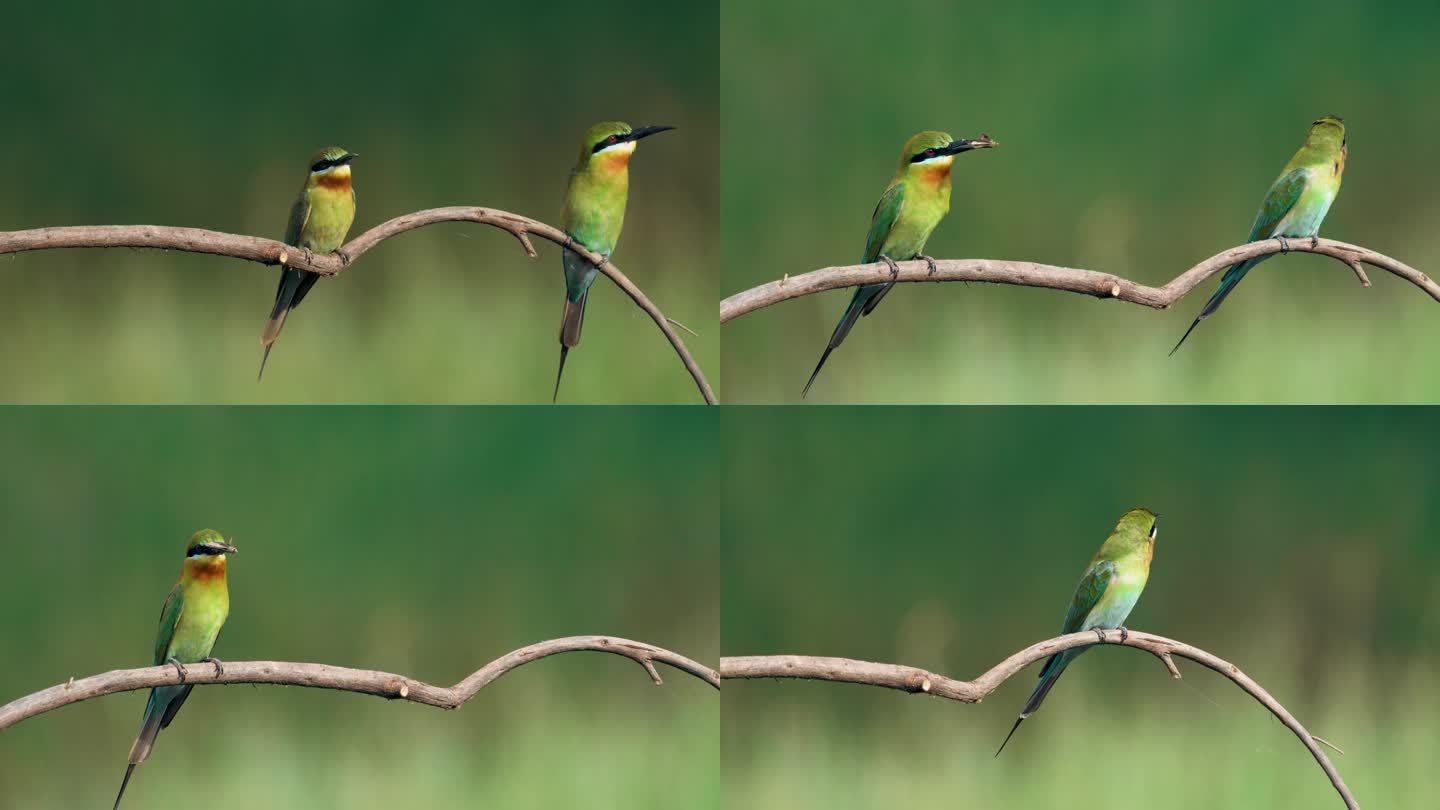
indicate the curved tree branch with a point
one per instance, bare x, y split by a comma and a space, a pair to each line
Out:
271, 252
1086, 282
364, 681
911, 679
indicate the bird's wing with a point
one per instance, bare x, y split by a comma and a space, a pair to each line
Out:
299, 215
886, 212
169, 618
1087, 594
1284, 193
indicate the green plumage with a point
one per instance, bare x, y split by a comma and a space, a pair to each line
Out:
1294, 206
190, 622
912, 205
320, 219
593, 215
1107, 592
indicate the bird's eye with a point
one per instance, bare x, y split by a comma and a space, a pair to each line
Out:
611, 139
929, 153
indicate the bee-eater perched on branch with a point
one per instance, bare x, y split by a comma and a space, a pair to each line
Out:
1107, 592
593, 215
190, 621
1295, 205
319, 221
917, 198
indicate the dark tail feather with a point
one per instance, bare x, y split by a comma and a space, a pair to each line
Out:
563, 351
1186, 335
1054, 668
291, 281
1018, 721
129, 769
572, 321
1227, 285
847, 322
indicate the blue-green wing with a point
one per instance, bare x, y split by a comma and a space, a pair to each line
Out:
299, 215
1284, 193
886, 212
169, 618
1087, 594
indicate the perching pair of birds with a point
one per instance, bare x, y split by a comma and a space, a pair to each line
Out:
593, 215
918, 197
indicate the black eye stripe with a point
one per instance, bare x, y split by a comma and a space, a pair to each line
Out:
201, 551
607, 142
924, 155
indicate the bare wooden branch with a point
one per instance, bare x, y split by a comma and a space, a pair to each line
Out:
912, 679
271, 252
364, 681
1086, 282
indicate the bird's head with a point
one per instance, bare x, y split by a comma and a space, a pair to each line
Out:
205, 553
1327, 132
1138, 523
930, 153
611, 143
331, 166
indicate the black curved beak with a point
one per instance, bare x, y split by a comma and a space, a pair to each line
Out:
349, 156
645, 132
965, 145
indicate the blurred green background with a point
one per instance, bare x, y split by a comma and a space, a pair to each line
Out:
420, 541
1138, 139
180, 115
1299, 544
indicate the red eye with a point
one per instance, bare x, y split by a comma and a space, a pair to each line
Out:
611, 139
929, 153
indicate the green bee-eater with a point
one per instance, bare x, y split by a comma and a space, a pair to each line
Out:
593, 214
319, 221
1295, 205
917, 198
190, 621
1105, 596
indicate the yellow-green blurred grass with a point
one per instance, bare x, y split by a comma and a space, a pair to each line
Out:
1117, 732
533, 739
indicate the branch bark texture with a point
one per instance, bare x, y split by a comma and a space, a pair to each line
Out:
271, 252
1069, 279
912, 679
365, 681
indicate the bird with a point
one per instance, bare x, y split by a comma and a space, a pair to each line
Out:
190, 621
593, 215
1107, 592
914, 202
319, 222
1295, 205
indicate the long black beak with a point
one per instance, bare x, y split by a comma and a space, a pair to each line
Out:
965, 145
349, 156
645, 132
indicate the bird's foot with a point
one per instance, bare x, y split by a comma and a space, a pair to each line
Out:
1124, 634
929, 263
179, 668
894, 268
1099, 633
1284, 245
1314, 242
219, 665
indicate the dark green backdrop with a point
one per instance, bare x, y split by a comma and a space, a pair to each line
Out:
177, 115
419, 541
1137, 138
1300, 544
